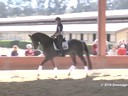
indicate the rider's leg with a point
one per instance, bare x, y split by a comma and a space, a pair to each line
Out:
60, 38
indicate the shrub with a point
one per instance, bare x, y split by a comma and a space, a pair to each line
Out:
9, 44
4, 43
22, 44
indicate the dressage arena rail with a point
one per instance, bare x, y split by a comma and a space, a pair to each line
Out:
28, 63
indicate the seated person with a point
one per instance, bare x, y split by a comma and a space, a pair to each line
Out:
59, 34
29, 51
37, 52
122, 50
113, 50
94, 47
14, 52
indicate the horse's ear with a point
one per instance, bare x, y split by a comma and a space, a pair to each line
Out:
30, 36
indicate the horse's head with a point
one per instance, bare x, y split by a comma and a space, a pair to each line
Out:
41, 39
35, 42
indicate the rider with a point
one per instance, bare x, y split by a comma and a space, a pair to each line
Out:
59, 34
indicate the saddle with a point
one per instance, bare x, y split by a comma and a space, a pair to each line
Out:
64, 44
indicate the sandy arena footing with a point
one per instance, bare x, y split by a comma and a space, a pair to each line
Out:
31, 75
101, 82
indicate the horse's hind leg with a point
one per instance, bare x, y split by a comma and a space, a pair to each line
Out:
84, 61
73, 66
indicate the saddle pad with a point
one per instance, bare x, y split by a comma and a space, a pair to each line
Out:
64, 45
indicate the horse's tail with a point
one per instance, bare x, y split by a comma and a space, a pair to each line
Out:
88, 55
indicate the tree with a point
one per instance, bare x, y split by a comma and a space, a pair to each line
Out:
27, 8
3, 10
84, 6
11, 8
19, 8
109, 4
41, 8
120, 4
28, 11
57, 7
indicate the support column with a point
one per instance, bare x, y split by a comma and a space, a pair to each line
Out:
101, 27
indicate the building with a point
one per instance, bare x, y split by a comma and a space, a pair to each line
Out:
86, 32
82, 26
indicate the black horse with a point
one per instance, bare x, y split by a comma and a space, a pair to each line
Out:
76, 48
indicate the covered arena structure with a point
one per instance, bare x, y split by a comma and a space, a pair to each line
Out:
98, 62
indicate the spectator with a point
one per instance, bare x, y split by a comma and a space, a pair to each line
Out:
94, 47
122, 42
127, 46
14, 52
29, 51
113, 51
122, 50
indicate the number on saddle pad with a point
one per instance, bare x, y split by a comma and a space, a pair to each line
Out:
65, 45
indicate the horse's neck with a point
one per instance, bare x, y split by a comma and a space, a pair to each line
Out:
46, 42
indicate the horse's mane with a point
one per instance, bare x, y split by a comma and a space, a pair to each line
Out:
42, 38
40, 34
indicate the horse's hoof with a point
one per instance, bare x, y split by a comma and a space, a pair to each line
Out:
69, 74
55, 76
86, 75
38, 77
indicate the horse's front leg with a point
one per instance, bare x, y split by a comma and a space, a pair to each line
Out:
71, 69
41, 67
55, 68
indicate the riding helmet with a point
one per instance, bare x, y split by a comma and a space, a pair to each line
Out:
58, 19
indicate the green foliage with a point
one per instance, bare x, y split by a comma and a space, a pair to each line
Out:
9, 44
2, 10
14, 42
22, 45
13, 8
120, 4
6, 44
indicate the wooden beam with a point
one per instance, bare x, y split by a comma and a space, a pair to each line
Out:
101, 28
